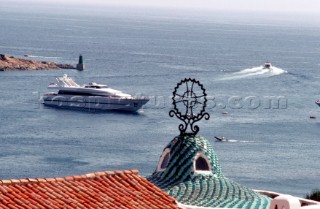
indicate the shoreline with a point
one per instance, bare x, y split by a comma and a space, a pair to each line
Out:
10, 63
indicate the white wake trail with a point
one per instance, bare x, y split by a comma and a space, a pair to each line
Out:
35, 56
255, 72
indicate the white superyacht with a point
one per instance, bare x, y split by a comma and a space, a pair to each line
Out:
90, 96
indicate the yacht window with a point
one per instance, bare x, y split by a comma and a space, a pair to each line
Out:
92, 87
164, 160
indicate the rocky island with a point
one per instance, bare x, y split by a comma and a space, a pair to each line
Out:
12, 63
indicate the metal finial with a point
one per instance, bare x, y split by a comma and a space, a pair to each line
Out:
189, 105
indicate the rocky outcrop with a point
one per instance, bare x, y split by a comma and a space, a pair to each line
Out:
12, 63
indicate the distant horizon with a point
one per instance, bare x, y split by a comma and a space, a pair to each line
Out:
111, 9
285, 6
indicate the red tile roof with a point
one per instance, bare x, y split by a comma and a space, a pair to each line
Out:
110, 189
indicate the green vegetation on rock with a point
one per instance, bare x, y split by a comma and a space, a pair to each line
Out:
314, 195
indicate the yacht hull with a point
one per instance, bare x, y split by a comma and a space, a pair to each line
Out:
94, 102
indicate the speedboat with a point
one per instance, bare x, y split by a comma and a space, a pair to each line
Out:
267, 65
221, 139
318, 102
91, 96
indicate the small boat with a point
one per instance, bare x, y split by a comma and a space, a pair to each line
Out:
221, 139
91, 96
267, 65
318, 102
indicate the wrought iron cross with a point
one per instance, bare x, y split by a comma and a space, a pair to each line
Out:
189, 105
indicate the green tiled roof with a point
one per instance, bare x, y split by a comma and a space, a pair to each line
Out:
207, 189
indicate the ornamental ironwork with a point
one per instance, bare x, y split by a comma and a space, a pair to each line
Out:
189, 105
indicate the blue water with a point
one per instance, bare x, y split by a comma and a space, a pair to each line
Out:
146, 52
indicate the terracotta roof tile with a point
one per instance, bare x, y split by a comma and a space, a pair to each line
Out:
109, 189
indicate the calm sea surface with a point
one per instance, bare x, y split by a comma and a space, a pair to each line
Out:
274, 144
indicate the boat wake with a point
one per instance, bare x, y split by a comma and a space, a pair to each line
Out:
235, 141
255, 72
223, 139
35, 56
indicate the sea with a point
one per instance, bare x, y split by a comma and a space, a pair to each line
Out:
273, 143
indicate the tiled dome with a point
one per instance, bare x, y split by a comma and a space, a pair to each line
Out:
189, 171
